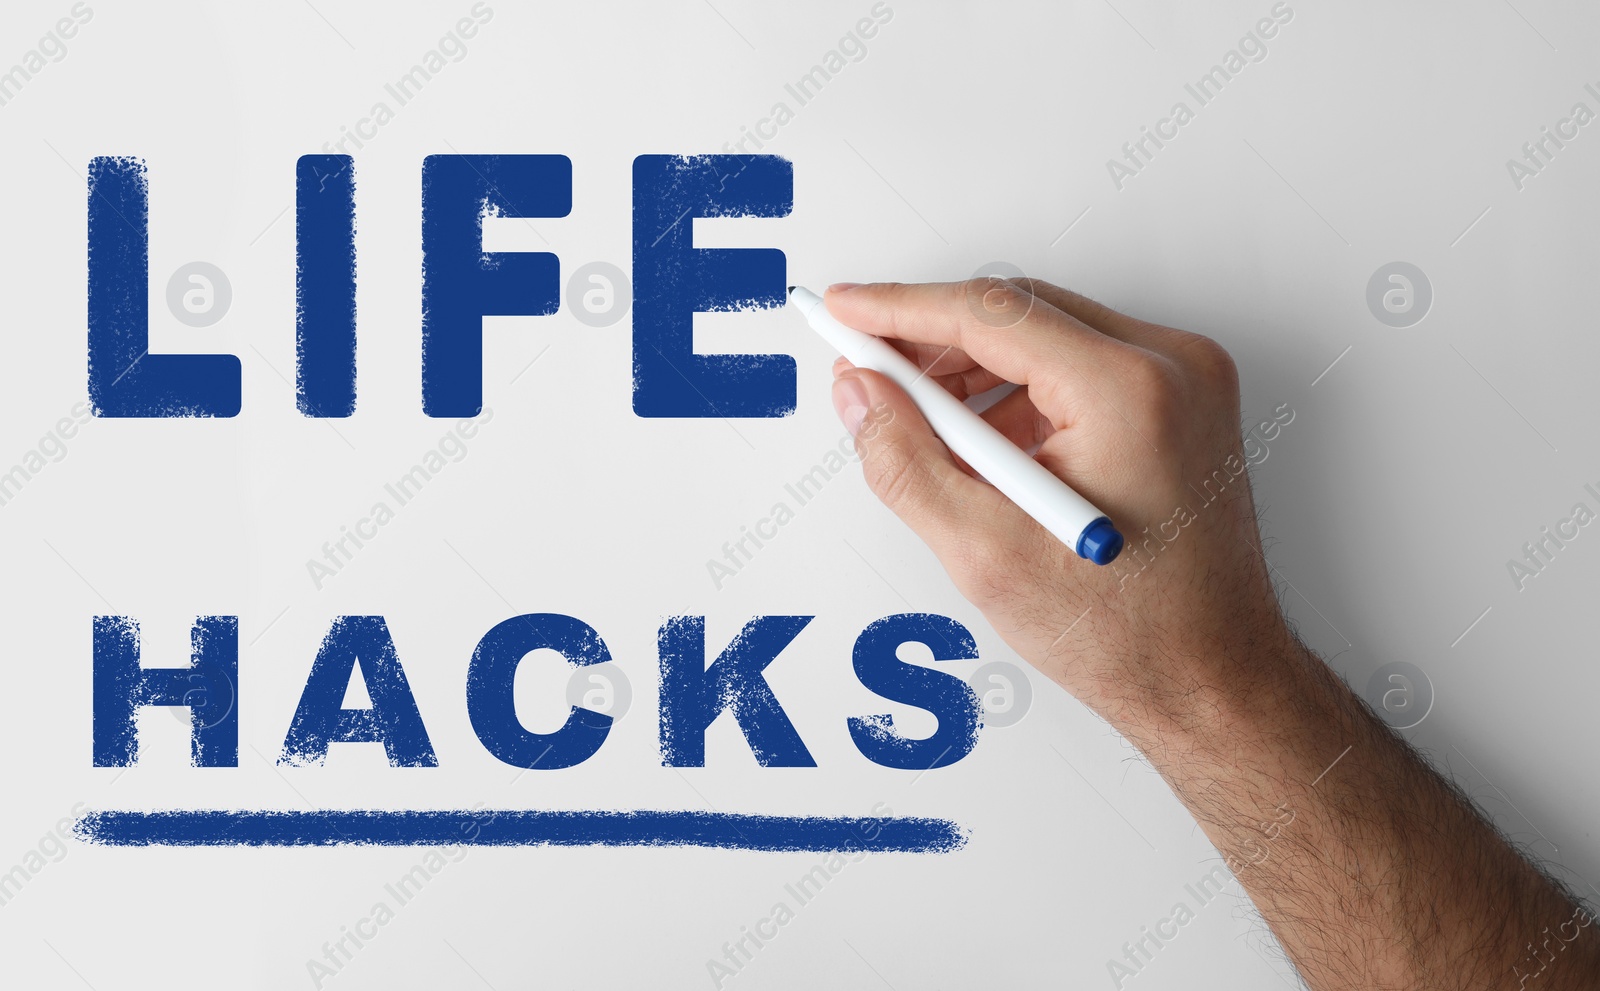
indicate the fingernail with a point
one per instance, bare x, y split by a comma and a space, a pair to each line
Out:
850, 402
842, 286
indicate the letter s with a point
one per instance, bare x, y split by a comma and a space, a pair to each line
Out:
952, 701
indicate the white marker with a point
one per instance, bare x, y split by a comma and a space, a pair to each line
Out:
1043, 496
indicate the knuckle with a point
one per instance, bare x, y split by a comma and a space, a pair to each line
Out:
1160, 399
1212, 364
891, 293
993, 303
876, 419
901, 309
1041, 288
1152, 380
894, 473
976, 286
994, 293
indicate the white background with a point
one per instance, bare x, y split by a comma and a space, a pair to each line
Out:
1415, 468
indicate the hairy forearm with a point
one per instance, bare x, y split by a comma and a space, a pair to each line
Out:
1372, 871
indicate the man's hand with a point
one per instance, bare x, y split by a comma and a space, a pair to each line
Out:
1372, 871
1142, 420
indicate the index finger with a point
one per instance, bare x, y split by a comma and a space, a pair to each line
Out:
1035, 350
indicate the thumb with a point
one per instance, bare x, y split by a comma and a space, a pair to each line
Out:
967, 523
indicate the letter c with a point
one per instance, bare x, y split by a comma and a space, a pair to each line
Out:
762, 932
1163, 932
492, 709
362, 932
363, 131
1561, 528
1164, 134
1562, 131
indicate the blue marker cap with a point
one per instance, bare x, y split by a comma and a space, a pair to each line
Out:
1100, 542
